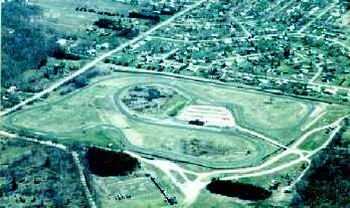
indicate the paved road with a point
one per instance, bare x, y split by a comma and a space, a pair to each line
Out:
319, 71
101, 58
146, 34
329, 7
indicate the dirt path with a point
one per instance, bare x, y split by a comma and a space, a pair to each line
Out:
191, 189
64, 148
329, 7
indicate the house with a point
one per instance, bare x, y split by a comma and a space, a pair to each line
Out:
313, 88
11, 89
330, 91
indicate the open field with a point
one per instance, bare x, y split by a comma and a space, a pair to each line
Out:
256, 109
313, 141
181, 103
96, 115
136, 190
277, 180
100, 101
206, 199
261, 112
142, 191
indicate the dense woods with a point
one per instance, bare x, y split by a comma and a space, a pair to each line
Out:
25, 43
38, 177
328, 182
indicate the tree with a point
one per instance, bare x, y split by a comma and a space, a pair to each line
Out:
13, 184
286, 52
47, 163
81, 81
25, 44
13, 99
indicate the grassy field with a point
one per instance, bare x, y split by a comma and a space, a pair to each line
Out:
333, 112
314, 141
255, 109
206, 199
203, 144
142, 191
285, 160
62, 15
100, 136
283, 178
92, 116
175, 105
69, 114
78, 118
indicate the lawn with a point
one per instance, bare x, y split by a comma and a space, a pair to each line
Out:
66, 115
208, 200
314, 141
225, 147
254, 108
283, 178
142, 190
92, 116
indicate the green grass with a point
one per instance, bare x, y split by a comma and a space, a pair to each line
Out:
286, 69
73, 112
285, 160
78, 118
282, 161
208, 200
172, 107
254, 109
95, 136
57, 118
333, 112
314, 141
142, 190
143, 193
284, 177
225, 147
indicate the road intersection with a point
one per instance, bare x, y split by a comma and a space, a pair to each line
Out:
191, 188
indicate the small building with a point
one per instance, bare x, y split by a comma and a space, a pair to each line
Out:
330, 91
313, 88
196, 122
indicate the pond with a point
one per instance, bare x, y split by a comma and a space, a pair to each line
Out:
240, 190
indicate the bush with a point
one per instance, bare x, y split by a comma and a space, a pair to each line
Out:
81, 81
